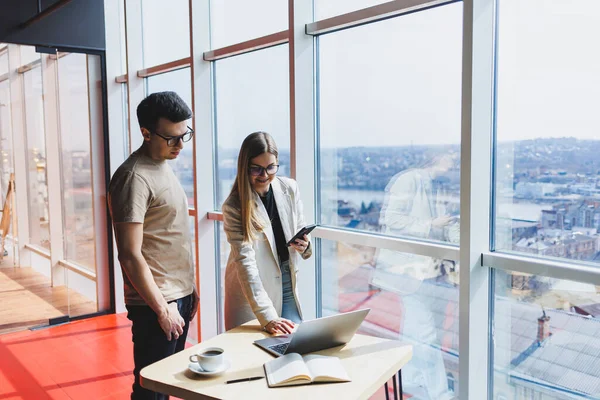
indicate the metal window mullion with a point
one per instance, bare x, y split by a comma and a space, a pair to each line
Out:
475, 198
17, 109
135, 62
372, 14
204, 161
302, 133
551, 268
405, 245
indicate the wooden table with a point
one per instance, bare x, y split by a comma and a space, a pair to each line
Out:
369, 361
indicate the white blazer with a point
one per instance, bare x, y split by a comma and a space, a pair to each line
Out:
253, 287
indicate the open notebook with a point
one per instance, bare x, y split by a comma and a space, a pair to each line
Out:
294, 369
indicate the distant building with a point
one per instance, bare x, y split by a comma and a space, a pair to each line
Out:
542, 355
534, 189
584, 213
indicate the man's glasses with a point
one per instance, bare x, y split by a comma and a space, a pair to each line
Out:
173, 141
257, 170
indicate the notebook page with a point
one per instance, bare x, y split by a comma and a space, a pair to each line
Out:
286, 368
324, 368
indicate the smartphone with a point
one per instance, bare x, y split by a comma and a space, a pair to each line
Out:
300, 235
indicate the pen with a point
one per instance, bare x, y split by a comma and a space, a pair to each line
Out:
252, 378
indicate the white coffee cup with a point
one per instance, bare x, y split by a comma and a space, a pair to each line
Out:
209, 359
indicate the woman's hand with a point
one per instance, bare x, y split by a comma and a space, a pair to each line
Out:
280, 325
301, 245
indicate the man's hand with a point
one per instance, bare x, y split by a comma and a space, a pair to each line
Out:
195, 302
280, 325
171, 322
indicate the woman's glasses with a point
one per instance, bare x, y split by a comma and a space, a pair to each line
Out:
173, 141
257, 170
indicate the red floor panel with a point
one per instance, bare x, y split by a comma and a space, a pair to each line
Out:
81, 360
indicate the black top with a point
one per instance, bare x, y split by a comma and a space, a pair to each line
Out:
269, 202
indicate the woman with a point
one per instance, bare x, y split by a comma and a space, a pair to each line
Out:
260, 215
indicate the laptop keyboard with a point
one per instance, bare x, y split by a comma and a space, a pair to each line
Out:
279, 348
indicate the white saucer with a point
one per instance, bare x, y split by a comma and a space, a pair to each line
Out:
195, 368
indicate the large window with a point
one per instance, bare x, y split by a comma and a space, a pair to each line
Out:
36, 160
3, 60
415, 301
384, 107
389, 114
548, 171
28, 54
193, 329
180, 82
166, 31
331, 8
390, 126
222, 255
234, 21
252, 94
77, 194
546, 337
547, 198
6, 149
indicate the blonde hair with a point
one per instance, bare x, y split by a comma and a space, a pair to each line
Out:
253, 146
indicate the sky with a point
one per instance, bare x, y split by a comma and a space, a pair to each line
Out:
395, 82
398, 82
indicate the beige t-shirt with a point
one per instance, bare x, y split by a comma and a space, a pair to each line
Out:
147, 191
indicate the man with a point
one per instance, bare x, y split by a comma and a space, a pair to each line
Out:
149, 210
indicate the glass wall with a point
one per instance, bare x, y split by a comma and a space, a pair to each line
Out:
193, 329
389, 129
51, 124
332, 8
3, 59
75, 136
548, 172
166, 31
180, 82
222, 255
234, 21
404, 305
546, 338
254, 88
379, 107
547, 199
36, 160
6, 143
252, 94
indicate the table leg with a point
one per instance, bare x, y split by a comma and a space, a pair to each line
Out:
395, 388
387, 395
400, 384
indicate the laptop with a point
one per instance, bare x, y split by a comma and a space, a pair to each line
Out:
316, 334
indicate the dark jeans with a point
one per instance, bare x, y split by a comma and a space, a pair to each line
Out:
150, 343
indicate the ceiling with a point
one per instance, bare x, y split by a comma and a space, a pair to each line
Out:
15, 12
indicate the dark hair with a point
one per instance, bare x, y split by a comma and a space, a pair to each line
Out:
159, 105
